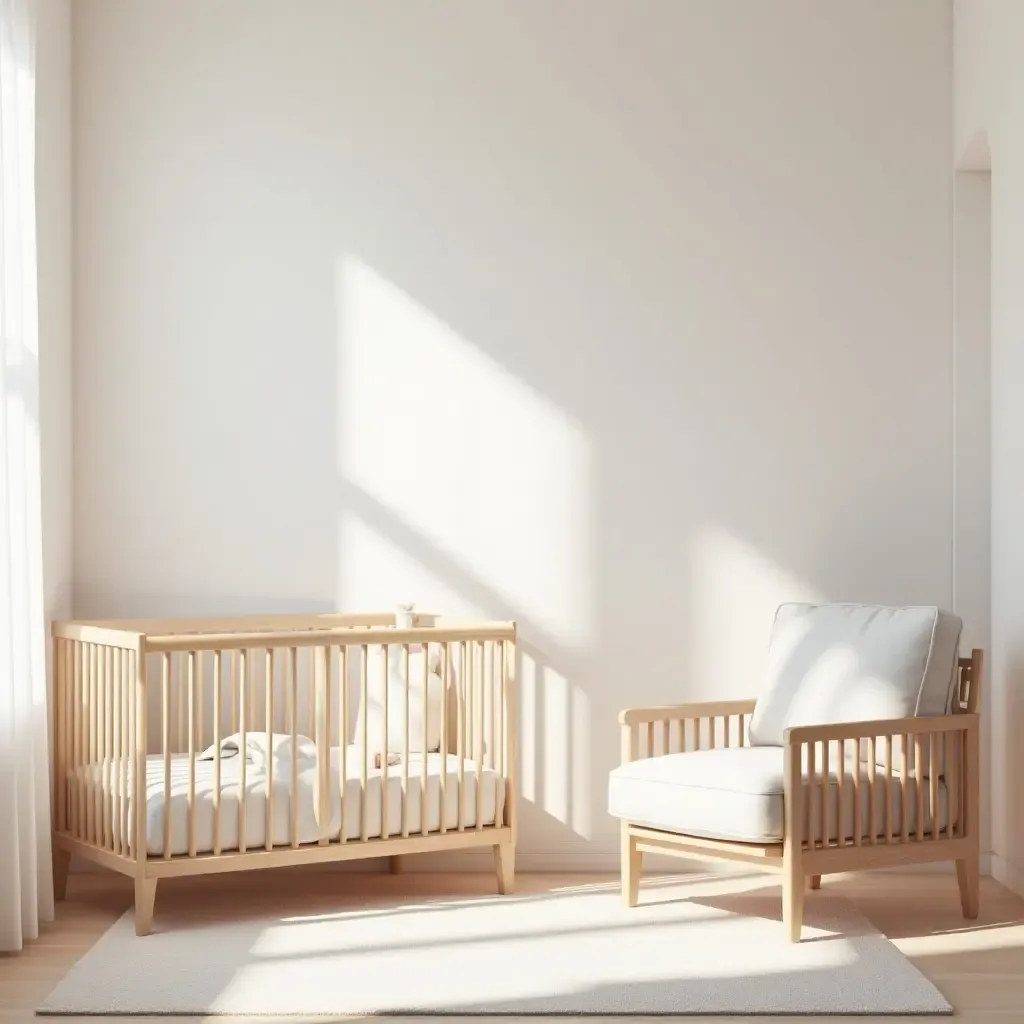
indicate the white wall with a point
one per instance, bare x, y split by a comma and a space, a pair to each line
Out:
626, 321
989, 131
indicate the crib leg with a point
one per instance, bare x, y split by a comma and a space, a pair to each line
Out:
61, 863
145, 898
395, 865
505, 867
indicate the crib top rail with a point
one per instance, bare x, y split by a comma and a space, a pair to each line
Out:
318, 638
170, 635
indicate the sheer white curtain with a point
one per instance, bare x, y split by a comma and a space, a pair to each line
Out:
26, 887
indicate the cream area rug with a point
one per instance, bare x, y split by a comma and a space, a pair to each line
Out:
689, 948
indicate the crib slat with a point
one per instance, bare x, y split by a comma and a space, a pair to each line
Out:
74, 723
322, 663
342, 739
826, 786
217, 680
130, 684
933, 778
200, 701
725, 734
406, 711
479, 754
60, 765
101, 728
90, 739
424, 740
490, 651
268, 809
497, 721
694, 734
116, 751
66, 720
192, 753
811, 802
311, 691
243, 722
108, 750
446, 683
385, 746
293, 716
740, 726
232, 694
180, 693
872, 773
461, 735
364, 739
166, 714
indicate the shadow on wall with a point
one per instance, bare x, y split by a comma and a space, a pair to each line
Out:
593, 354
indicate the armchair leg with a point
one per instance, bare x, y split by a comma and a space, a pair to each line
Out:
968, 871
793, 885
815, 881
632, 866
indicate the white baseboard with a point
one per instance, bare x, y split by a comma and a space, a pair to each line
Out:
1007, 873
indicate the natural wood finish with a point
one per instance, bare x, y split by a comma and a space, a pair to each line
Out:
268, 792
478, 753
318, 638
385, 741
792, 850
165, 717
243, 723
632, 867
424, 741
685, 712
342, 742
102, 717
505, 867
61, 866
218, 672
800, 855
313, 853
145, 901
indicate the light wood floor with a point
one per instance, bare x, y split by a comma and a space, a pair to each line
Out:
979, 966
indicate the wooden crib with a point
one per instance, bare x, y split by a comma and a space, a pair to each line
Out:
168, 701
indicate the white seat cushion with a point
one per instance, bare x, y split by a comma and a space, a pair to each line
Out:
737, 794
851, 662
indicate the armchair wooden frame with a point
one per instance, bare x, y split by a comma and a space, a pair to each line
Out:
811, 803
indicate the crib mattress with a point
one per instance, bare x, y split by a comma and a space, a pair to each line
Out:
305, 797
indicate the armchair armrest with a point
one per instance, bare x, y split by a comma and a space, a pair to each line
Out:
685, 712
666, 714
912, 726
934, 751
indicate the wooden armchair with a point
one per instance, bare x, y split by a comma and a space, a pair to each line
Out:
706, 780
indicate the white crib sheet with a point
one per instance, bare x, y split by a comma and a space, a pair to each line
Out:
492, 800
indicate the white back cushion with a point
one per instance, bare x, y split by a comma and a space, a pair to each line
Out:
851, 662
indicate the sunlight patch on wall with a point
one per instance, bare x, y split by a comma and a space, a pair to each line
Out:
477, 464
554, 712
735, 592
